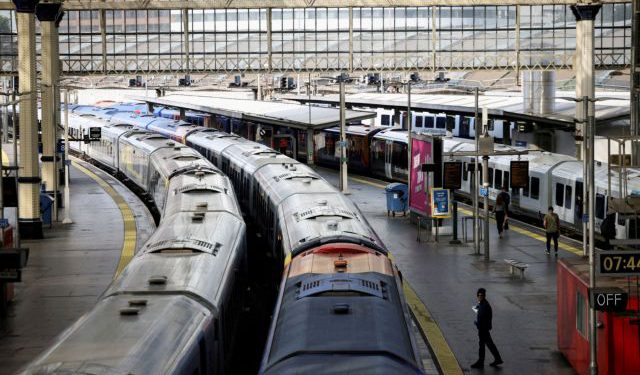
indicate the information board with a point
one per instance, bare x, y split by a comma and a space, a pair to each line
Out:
519, 174
452, 175
440, 206
618, 263
95, 133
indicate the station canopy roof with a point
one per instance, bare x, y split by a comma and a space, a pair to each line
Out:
500, 104
291, 115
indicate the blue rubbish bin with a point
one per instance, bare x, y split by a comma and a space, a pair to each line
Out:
397, 194
46, 208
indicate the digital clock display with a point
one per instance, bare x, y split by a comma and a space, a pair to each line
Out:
619, 263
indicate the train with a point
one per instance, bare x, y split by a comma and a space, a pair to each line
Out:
340, 295
381, 151
174, 308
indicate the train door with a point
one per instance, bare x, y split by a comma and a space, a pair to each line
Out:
563, 201
577, 205
463, 128
378, 157
388, 160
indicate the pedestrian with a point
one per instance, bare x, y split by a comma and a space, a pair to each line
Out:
507, 201
483, 323
500, 211
552, 227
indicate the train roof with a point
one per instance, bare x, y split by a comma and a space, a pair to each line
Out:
392, 134
356, 319
112, 339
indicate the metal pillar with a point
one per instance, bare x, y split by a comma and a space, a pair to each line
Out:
29, 173
409, 141
635, 81
48, 14
585, 87
269, 40
593, 334
434, 39
350, 39
485, 202
344, 184
476, 182
310, 150
518, 12
103, 38
185, 36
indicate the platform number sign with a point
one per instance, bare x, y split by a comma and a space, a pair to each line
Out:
519, 174
618, 263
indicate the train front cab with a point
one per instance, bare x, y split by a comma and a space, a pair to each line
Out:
340, 310
618, 333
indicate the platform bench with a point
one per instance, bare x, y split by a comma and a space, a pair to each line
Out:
516, 265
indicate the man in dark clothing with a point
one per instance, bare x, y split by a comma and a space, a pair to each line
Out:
506, 198
483, 323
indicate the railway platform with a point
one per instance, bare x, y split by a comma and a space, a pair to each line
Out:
73, 264
445, 278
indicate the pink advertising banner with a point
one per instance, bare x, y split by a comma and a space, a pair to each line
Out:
422, 153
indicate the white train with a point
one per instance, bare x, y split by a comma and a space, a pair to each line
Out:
175, 307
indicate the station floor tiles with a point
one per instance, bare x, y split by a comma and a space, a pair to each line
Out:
445, 277
69, 269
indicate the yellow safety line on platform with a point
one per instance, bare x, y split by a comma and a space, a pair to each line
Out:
535, 236
130, 231
443, 354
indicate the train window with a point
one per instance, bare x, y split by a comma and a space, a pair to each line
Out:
465, 172
567, 196
399, 155
441, 122
600, 206
428, 122
506, 182
581, 314
491, 177
498, 181
385, 120
559, 195
535, 188
418, 121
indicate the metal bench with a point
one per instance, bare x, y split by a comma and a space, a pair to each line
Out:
516, 265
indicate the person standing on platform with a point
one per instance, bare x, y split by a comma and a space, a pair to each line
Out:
552, 227
483, 323
507, 201
500, 211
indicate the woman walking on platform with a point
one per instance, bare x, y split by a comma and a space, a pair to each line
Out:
500, 210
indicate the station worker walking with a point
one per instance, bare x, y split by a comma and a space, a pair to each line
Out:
552, 227
483, 323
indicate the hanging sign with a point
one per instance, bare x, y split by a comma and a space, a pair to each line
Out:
452, 176
519, 174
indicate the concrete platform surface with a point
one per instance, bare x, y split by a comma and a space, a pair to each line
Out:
446, 277
70, 268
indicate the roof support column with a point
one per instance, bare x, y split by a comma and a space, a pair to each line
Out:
518, 45
350, 40
29, 220
434, 37
185, 30
102, 15
48, 15
585, 79
635, 80
269, 41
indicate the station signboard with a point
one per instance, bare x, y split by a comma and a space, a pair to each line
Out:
452, 175
519, 174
